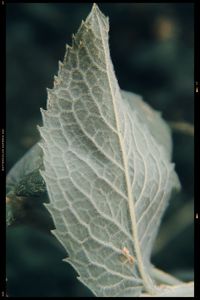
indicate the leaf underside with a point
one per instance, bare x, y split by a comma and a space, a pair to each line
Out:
107, 167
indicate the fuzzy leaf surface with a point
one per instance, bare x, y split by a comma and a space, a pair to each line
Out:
109, 178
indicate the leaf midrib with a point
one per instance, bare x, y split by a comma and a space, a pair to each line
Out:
146, 280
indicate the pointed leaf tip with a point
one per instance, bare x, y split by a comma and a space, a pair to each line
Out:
94, 6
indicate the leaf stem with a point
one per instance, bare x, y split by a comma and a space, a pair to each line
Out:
183, 127
163, 277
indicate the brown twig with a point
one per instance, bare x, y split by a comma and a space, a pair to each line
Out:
183, 127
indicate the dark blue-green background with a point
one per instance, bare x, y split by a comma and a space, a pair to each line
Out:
152, 48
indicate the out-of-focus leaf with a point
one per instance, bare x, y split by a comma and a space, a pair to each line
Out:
24, 178
23, 184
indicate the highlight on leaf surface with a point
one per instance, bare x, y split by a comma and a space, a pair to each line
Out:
107, 168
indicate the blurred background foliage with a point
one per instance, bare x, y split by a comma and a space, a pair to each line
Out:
152, 48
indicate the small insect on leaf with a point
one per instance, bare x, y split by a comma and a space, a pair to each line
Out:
127, 255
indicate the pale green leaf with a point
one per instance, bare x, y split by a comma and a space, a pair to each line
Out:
158, 128
107, 168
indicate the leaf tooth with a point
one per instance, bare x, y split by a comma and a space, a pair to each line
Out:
81, 28
87, 27
42, 173
50, 98
43, 146
40, 143
53, 231
75, 42
44, 149
57, 81
44, 114
39, 129
70, 261
43, 134
68, 49
60, 68
42, 110
48, 91
84, 27
47, 205
80, 35
66, 259
51, 94
60, 65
